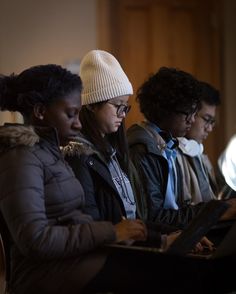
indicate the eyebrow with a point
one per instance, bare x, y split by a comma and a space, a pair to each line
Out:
208, 115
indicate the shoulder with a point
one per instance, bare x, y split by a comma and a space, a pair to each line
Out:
143, 139
18, 144
138, 135
15, 135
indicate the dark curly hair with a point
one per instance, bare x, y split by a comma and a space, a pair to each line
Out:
38, 84
166, 92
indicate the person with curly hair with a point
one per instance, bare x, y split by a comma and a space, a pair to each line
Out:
169, 101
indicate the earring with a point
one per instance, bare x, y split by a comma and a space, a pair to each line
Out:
41, 117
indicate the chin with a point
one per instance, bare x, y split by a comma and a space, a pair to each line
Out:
180, 134
64, 143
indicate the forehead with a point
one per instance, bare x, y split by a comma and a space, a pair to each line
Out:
73, 99
207, 109
120, 99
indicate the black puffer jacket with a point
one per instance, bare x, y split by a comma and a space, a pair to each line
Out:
102, 199
41, 202
152, 166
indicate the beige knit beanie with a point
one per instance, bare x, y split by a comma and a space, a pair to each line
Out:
103, 78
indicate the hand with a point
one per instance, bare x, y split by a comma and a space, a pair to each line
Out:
170, 239
128, 230
231, 211
204, 243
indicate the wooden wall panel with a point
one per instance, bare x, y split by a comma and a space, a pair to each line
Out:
148, 34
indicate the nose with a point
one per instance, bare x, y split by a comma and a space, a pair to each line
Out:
122, 114
76, 123
191, 119
209, 128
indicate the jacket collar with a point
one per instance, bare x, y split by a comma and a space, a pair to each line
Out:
170, 141
13, 135
154, 141
79, 146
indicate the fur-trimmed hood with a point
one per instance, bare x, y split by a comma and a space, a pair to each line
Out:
78, 147
12, 135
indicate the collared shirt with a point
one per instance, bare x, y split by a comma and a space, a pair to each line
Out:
170, 154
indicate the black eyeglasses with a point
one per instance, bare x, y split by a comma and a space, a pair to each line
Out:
188, 115
121, 108
208, 121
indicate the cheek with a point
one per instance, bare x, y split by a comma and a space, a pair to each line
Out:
63, 130
198, 130
102, 121
108, 124
54, 119
179, 125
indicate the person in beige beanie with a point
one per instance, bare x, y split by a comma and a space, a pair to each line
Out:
105, 95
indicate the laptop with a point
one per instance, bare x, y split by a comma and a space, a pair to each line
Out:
197, 228
204, 221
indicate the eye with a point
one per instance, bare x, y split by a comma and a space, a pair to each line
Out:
72, 113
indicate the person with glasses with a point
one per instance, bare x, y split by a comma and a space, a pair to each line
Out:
199, 181
169, 101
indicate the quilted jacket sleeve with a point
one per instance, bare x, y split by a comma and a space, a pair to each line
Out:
31, 212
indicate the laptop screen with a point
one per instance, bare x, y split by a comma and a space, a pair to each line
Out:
208, 216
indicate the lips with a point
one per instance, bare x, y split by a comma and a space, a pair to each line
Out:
72, 137
118, 123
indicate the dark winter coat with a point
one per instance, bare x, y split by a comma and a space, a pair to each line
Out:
53, 241
146, 154
103, 201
